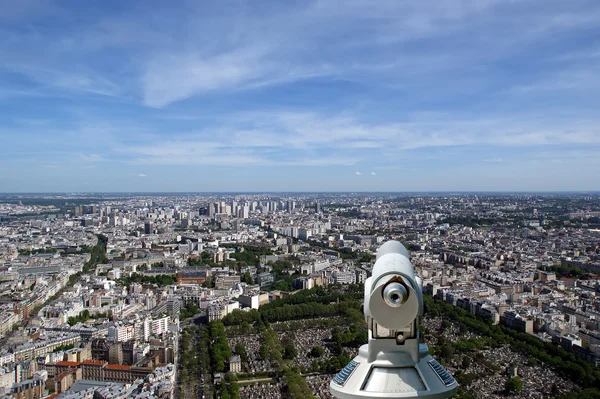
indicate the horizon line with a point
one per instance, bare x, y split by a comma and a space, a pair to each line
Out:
309, 192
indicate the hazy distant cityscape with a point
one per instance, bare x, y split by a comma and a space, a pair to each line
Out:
185, 295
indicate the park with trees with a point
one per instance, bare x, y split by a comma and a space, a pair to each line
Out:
338, 308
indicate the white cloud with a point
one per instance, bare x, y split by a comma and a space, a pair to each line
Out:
310, 139
169, 78
196, 49
141, 175
308, 130
80, 80
358, 173
91, 158
417, 51
288, 138
266, 49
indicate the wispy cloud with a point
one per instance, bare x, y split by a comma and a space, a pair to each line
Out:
91, 158
65, 79
342, 85
309, 139
252, 58
358, 173
169, 78
265, 48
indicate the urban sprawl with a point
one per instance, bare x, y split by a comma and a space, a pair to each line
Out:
102, 296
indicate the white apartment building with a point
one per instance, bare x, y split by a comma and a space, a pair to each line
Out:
160, 326
121, 333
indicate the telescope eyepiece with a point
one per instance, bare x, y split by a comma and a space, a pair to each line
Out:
395, 294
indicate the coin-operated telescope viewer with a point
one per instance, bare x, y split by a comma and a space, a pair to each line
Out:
394, 364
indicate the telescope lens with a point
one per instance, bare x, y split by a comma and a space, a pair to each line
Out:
395, 294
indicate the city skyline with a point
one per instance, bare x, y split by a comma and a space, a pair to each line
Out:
471, 96
155, 296
91, 194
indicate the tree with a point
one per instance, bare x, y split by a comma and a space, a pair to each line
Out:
466, 362
189, 310
337, 349
240, 350
208, 283
514, 385
230, 377
445, 324
282, 285
263, 352
447, 352
220, 351
248, 278
289, 350
317, 351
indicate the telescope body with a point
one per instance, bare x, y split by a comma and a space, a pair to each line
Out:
394, 364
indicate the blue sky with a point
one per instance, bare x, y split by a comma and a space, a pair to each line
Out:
352, 95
